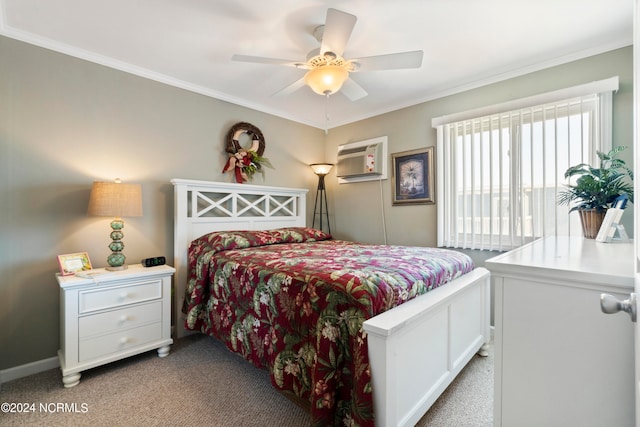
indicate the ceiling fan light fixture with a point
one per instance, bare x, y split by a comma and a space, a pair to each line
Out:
327, 79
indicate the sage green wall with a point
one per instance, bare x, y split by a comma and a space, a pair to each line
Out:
357, 208
64, 123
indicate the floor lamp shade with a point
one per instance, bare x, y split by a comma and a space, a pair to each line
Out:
116, 200
321, 168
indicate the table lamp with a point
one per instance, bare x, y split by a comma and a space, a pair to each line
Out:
116, 200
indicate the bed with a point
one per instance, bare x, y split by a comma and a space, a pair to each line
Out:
363, 355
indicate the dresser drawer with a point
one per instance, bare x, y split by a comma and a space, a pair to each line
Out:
117, 320
119, 296
116, 342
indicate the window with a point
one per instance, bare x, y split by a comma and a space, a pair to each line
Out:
500, 171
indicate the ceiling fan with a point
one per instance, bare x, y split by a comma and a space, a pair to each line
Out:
327, 70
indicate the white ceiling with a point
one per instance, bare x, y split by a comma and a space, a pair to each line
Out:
189, 44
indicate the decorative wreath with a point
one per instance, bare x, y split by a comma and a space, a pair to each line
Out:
244, 163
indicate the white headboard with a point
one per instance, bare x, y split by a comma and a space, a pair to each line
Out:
201, 207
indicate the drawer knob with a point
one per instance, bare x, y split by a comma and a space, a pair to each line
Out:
610, 304
124, 318
124, 340
125, 296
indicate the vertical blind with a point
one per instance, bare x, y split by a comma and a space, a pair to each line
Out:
499, 174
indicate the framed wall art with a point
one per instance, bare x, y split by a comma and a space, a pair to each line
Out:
413, 177
73, 263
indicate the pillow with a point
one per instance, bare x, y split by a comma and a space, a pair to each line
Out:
301, 234
218, 241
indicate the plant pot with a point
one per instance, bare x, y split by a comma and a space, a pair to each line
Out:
591, 220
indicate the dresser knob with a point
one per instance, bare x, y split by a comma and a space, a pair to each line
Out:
610, 304
124, 340
125, 296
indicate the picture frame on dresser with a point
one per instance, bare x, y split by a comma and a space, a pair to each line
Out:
413, 177
72, 263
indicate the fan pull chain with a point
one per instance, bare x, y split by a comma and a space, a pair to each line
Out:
326, 115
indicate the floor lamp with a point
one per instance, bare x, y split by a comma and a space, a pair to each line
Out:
321, 169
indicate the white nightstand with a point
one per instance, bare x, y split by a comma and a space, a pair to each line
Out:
112, 316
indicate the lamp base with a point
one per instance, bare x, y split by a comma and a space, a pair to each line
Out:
321, 195
116, 260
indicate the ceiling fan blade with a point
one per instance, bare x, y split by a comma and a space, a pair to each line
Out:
290, 89
272, 61
392, 61
337, 30
353, 90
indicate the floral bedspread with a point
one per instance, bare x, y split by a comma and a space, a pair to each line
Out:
293, 300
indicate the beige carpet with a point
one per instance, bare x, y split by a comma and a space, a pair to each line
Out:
202, 383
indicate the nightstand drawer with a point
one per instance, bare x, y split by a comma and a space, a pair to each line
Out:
125, 318
119, 296
119, 341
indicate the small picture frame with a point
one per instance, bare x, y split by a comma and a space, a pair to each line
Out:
72, 263
413, 177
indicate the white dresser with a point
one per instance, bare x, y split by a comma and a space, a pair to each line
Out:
560, 361
111, 316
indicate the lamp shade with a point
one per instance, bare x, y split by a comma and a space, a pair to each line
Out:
326, 79
321, 168
115, 199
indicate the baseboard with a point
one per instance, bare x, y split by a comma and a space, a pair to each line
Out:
36, 367
25, 370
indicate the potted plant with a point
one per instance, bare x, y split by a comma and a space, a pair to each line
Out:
596, 189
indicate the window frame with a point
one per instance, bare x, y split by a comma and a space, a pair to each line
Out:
602, 133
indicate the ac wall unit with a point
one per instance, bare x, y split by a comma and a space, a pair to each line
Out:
359, 161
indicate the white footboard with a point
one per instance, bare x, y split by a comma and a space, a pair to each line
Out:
418, 348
